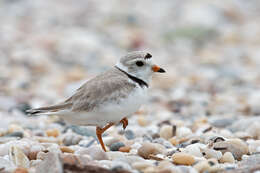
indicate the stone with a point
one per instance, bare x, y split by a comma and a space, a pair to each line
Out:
183, 159
109, 140
166, 132
83, 131
116, 146
15, 128
53, 132
129, 134
95, 152
34, 150
75, 159
125, 149
254, 146
227, 158
51, 163
223, 122
140, 166
92, 169
194, 149
6, 164
254, 130
15, 134
236, 146
148, 149
66, 149
18, 157
182, 132
21, 170
142, 121
48, 139
174, 141
113, 155
120, 165
71, 139
210, 153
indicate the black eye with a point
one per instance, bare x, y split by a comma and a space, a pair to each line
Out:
139, 63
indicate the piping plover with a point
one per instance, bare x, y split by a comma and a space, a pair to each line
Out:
109, 98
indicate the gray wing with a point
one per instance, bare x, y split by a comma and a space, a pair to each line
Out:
101, 89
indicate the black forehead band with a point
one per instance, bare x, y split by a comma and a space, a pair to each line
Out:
148, 56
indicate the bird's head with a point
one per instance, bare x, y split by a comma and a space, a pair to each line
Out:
139, 64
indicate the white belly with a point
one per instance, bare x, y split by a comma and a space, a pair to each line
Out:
110, 112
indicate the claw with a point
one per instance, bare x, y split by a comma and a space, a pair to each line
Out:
124, 121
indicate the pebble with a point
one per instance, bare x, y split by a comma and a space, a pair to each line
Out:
71, 139
15, 128
195, 149
236, 146
95, 152
174, 141
148, 149
182, 132
120, 165
141, 166
166, 132
222, 123
66, 149
83, 131
6, 164
109, 140
72, 159
113, 155
18, 157
183, 159
15, 134
50, 163
116, 146
253, 146
48, 139
34, 150
142, 121
129, 134
210, 153
125, 149
21, 170
227, 158
53, 132
167, 166
254, 130
208, 166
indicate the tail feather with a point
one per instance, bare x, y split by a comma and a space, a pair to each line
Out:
48, 109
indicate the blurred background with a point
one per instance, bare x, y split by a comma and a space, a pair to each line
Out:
210, 50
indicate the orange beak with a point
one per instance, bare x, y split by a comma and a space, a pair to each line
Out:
158, 69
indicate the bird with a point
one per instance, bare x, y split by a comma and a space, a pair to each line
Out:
109, 98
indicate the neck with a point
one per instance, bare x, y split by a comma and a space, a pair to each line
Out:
133, 78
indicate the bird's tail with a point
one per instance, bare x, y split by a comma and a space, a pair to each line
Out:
49, 109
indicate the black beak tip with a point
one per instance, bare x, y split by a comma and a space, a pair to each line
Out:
161, 70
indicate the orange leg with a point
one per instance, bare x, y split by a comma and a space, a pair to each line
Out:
100, 131
124, 121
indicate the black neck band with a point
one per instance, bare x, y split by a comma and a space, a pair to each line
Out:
133, 78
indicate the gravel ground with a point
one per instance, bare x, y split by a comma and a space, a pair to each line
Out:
202, 116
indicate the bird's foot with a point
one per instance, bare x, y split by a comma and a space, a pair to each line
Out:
124, 121
99, 132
